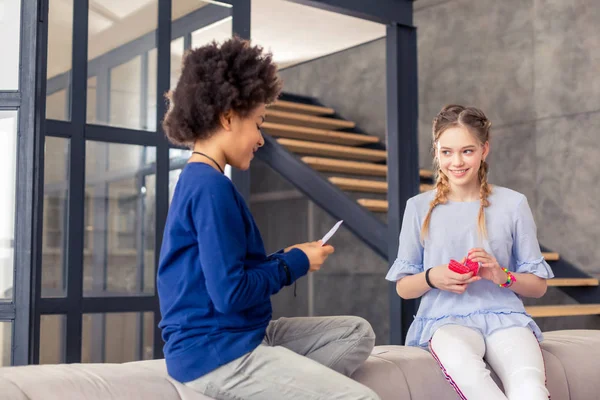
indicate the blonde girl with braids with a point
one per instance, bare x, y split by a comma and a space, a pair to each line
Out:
464, 319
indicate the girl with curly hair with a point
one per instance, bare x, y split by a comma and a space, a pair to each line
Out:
470, 250
214, 279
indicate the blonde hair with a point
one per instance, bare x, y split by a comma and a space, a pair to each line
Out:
475, 121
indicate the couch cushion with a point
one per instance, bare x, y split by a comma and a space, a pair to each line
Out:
579, 355
572, 360
146, 380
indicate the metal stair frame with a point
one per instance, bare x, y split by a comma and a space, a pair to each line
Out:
338, 204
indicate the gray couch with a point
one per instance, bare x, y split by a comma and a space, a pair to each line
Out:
394, 372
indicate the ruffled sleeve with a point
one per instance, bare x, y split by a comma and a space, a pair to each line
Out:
410, 250
527, 256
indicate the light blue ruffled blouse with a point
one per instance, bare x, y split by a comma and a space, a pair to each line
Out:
512, 239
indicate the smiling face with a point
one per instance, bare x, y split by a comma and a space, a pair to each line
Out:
244, 138
460, 154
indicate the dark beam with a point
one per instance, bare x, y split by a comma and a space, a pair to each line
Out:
113, 134
338, 204
10, 99
241, 27
98, 304
381, 11
403, 160
77, 181
7, 312
38, 189
29, 144
163, 73
57, 128
191, 22
187, 42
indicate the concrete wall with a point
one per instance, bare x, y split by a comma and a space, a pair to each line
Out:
532, 66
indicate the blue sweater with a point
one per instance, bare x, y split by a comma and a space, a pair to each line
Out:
214, 279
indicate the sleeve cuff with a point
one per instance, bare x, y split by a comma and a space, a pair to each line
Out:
402, 268
297, 262
537, 267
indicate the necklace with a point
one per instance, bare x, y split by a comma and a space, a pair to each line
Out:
211, 159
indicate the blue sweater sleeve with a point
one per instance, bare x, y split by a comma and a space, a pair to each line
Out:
232, 284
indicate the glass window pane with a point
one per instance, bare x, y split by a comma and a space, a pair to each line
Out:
119, 220
57, 105
151, 98
54, 239
10, 32
117, 337
91, 102
125, 89
60, 40
53, 339
8, 168
218, 31
177, 160
177, 50
213, 23
122, 36
5, 343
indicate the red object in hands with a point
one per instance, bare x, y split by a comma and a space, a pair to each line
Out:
468, 266
473, 266
458, 267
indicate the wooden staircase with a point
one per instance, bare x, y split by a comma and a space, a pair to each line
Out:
355, 162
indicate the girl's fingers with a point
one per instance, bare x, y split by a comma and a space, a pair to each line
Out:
476, 250
460, 279
473, 279
472, 256
482, 259
459, 289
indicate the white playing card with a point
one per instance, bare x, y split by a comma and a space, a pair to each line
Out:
331, 232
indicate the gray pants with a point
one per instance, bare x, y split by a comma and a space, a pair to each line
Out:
300, 358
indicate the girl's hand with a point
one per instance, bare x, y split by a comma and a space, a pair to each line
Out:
490, 269
445, 279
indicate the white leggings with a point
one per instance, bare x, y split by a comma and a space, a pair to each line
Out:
513, 353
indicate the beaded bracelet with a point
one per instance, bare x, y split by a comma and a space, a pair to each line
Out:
510, 279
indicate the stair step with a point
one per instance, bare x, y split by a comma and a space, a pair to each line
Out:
374, 205
359, 185
351, 167
573, 282
563, 310
310, 121
426, 173
333, 150
320, 135
284, 105
365, 185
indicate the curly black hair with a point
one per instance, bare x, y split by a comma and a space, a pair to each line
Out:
216, 79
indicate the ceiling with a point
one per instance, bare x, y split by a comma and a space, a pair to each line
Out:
293, 33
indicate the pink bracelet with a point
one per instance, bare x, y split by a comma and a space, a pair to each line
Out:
510, 279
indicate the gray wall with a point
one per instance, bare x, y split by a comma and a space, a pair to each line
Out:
533, 67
